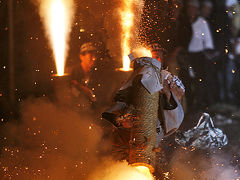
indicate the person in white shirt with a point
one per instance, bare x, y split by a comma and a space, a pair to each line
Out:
201, 34
200, 41
201, 37
211, 72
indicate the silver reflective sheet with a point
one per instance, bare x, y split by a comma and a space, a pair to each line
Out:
203, 136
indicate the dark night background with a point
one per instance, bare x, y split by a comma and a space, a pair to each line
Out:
34, 65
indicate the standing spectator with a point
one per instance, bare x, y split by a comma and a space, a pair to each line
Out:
236, 82
200, 41
201, 37
173, 39
233, 11
210, 68
222, 27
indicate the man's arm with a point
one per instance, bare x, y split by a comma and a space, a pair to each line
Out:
172, 111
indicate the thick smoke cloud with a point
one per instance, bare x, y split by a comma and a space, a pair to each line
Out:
55, 142
202, 165
50, 142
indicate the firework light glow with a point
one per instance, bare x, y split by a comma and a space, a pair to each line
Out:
142, 52
57, 17
130, 15
127, 23
122, 170
145, 172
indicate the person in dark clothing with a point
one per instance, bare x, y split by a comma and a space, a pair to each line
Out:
236, 82
212, 84
221, 24
192, 62
90, 80
150, 92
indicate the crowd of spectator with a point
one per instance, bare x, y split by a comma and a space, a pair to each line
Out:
203, 43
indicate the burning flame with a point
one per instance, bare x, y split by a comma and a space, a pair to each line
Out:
142, 52
127, 23
122, 172
57, 17
145, 172
58, 31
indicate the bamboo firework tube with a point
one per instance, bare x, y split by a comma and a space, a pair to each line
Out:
143, 132
62, 89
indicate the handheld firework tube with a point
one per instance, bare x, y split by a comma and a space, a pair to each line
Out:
61, 87
139, 109
143, 133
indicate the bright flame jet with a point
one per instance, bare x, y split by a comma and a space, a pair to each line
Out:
127, 23
57, 16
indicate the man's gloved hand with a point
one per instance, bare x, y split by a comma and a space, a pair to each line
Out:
172, 84
83, 90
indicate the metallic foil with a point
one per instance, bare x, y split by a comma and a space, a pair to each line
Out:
203, 136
